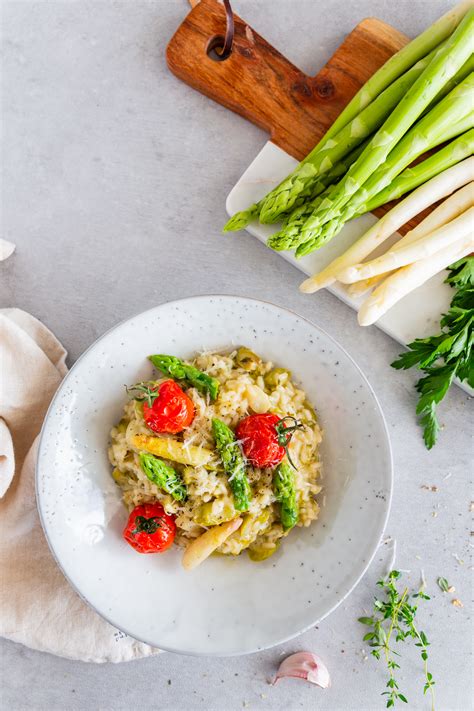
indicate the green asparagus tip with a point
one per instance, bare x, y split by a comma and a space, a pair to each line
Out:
270, 215
305, 248
241, 219
275, 242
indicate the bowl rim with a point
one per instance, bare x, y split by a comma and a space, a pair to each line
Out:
373, 551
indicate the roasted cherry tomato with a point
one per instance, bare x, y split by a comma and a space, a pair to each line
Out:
149, 529
171, 409
265, 438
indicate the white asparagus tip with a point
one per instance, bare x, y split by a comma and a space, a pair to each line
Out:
203, 546
349, 275
314, 283
307, 286
405, 280
362, 287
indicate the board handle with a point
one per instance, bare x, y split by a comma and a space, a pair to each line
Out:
256, 81
259, 83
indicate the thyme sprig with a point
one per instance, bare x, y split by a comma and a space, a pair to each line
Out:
143, 392
393, 621
443, 584
286, 431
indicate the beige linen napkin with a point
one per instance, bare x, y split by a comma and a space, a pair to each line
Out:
37, 606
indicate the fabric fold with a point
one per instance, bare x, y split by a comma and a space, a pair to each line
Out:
38, 608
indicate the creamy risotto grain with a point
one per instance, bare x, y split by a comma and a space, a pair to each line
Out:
245, 388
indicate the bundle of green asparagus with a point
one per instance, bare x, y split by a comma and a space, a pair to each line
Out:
421, 98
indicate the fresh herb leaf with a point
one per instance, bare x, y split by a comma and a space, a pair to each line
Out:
286, 431
394, 621
143, 392
443, 584
430, 425
447, 355
146, 525
461, 273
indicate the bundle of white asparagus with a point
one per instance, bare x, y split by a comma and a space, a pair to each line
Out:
445, 236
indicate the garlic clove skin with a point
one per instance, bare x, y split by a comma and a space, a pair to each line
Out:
307, 666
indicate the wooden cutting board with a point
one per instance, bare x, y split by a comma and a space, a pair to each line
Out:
261, 85
257, 81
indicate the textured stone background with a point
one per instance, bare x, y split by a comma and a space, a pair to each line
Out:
115, 178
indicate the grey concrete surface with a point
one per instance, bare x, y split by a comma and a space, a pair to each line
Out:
114, 181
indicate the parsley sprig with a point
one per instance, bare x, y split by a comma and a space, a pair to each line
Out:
446, 355
393, 621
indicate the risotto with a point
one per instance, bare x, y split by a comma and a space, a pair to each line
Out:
218, 455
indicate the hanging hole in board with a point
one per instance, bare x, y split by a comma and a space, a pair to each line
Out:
216, 49
219, 48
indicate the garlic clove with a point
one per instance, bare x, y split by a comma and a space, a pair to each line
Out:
307, 666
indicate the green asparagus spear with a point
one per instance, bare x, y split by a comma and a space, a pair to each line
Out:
324, 183
400, 62
241, 219
303, 181
325, 235
410, 147
445, 64
460, 75
298, 183
284, 489
456, 151
178, 370
338, 169
163, 475
289, 235
450, 117
388, 74
234, 464
437, 126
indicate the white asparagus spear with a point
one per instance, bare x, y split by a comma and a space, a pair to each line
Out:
363, 286
430, 192
422, 248
202, 547
452, 207
406, 279
449, 209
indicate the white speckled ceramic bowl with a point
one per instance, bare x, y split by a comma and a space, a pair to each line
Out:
226, 606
